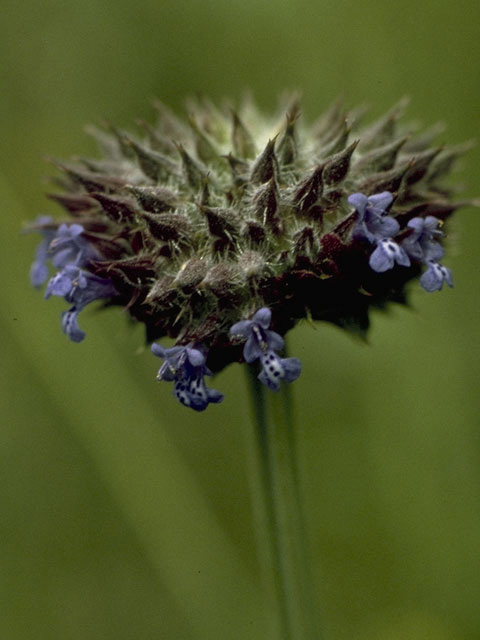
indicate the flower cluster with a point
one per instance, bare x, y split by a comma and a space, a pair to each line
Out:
185, 366
222, 232
261, 344
68, 250
422, 244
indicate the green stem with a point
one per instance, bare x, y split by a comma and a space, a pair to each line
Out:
283, 544
264, 509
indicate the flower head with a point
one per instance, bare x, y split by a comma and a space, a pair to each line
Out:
386, 255
259, 338
435, 275
423, 243
222, 234
185, 366
261, 344
372, 220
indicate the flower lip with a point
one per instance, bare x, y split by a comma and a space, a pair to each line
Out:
276, 369
387, 254
70, 325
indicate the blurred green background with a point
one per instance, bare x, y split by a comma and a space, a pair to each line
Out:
124, 515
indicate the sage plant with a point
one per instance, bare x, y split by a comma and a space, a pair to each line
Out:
223, 231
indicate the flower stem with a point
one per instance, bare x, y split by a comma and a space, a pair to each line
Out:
282, 541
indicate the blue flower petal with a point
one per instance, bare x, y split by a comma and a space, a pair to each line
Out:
386, 255
434, 277
388, 226
273, 385
380, 201
372, 222
292, 368
430, 280
276, 369
380, 261
434, 252
185, 366
263, 317
262, 344
64, 256
38, 273
275, 340
422, 243
417, 224
447, 276
39, 269
59, 285
251, 350
413, 248
359, 201
70, 325
215, 396
401, 257
158, 350
195, 357
241, 329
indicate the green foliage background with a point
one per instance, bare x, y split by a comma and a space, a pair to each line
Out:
122, 514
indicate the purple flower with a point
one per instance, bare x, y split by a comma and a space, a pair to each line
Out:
175, 358
422, 243
65, 282
63, 246
372, 221
261, 343
275, 369
79, 288
386, 255
39, 268
434, 277
70, 247
185, 366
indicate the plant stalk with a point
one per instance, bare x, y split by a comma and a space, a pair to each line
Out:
281, 532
